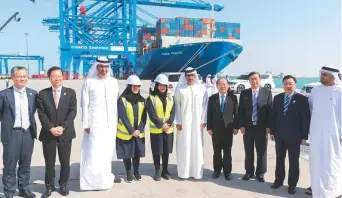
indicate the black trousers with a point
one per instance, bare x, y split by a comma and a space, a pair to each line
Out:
49, 151
222, 140
257, 136
18, 150
165, 161
128, 164
293, 148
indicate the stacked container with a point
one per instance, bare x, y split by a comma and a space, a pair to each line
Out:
227, 30
146, 39
167, 27
149, 38
208, 27
189, 27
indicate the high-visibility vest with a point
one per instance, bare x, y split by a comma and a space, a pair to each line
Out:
158, 106
122, 132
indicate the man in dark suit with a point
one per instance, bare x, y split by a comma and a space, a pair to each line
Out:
18, 131
290, 128
254, 119
57, 107
221, 124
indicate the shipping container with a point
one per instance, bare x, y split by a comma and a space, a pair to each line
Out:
192, 27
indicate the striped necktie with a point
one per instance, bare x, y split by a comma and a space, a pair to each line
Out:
255, 107
286, 103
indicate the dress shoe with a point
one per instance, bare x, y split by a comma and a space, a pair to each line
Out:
48, 192
137, 176
276, 185
181, 179
157, 175
64, 191
26, 194
8, 196
247, 176
308, 191
117, 179
292, 190
228, 177
216, 175
166, 175
260, 178
129, 176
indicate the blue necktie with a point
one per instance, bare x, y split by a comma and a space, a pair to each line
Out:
255, 106
286, 103
222, 103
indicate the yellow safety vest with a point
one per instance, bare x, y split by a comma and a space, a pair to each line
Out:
122, 132
158, 106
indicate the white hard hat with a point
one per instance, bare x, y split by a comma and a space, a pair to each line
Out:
162, 79
133, 80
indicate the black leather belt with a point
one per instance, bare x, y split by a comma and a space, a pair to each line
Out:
19, 129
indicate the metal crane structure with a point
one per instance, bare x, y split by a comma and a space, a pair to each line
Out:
13, 17
91, 28
5, 58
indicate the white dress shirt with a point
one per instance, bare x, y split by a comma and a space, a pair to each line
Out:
256, 91
22, 116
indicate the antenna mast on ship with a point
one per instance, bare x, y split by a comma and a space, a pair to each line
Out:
213, 23
212, 18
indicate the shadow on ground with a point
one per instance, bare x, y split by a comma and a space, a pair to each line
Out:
147, 170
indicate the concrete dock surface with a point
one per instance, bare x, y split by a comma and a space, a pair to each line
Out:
175, 188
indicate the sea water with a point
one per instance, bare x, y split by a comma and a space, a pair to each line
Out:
301, 81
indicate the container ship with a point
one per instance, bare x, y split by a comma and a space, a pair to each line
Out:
175, 44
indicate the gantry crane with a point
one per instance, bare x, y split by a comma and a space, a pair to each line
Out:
4, 58
90, 28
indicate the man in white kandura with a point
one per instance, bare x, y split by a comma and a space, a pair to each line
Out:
99, 117
326, 136
189, 107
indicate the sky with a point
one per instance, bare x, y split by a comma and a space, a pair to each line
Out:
292, 36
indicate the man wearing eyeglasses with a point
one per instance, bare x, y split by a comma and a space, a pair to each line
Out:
222, 124
57, 108
290, 127
18, 131
254, 122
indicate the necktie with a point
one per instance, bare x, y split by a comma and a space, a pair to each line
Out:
56, 97
286, 103
222, 103
23, 111
255, 106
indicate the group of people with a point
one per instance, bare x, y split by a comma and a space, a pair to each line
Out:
57, 108
114, 121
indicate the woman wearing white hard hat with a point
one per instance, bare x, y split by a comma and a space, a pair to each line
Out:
130, 141
160, 108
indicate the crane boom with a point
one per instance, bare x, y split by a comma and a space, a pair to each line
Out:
14, 16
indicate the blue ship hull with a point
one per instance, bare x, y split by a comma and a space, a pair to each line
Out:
207, 58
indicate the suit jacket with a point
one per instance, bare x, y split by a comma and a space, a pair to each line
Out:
295, 124
264, 108
7, 112
51, 117
216, 120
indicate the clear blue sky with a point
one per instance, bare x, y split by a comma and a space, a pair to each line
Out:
290, 36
